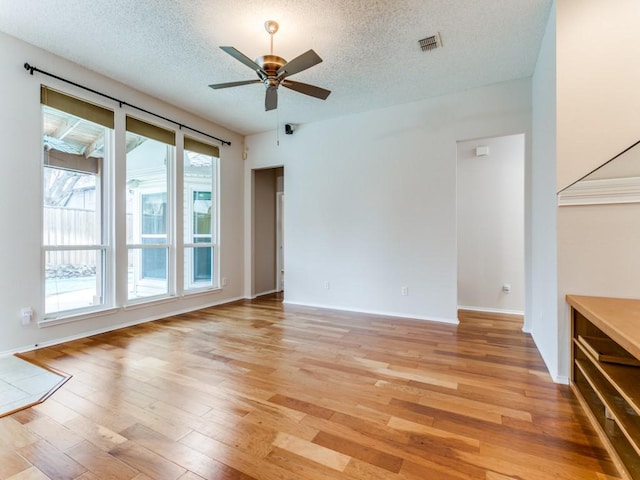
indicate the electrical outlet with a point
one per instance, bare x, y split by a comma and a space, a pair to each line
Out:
506, 288
224, 281
327, 285
404, 291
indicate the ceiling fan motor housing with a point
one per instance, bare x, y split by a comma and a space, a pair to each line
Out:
270, 64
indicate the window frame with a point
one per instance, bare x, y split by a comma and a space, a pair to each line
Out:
113, 249
166, 137
189, 285
105, 258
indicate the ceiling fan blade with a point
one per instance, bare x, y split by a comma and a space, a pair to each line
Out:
242, 58
216, 86
307, 60
271, 99
307, 89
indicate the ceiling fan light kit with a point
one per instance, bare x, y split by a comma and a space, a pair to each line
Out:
273, 71
271, 26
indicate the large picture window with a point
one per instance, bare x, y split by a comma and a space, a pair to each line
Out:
98, 255
200, 215
150, 159
77, 158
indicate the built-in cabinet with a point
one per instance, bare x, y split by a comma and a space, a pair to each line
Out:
605, 373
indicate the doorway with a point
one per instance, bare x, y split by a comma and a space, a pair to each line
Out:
490, 224
268, 227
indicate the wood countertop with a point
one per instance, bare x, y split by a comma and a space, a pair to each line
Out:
619, 318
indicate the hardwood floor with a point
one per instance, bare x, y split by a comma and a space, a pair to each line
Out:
255, 390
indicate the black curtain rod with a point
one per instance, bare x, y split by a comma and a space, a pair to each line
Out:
32, 69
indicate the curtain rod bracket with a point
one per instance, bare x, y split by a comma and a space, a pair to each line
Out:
31, 69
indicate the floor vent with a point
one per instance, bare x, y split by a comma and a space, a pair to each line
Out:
430, 43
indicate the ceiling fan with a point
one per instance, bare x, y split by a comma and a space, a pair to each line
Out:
274, 71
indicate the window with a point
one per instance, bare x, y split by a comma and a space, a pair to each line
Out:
77, 157
149, 164
84, 268
200, 215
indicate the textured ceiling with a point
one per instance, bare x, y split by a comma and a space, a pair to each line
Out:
169, 49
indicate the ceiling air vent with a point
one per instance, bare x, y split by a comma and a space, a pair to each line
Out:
430, 43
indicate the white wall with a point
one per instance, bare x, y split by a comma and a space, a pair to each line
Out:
491, 224
20, 197
542, 315
599, 245
371, 200
598, 116
598, 78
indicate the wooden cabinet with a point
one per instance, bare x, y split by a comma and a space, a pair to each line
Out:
605, 372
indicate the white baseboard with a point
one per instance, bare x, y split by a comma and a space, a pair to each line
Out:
268, 292
453, 321
492, 310
111, 328
561, 379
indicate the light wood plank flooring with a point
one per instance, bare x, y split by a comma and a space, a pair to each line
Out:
255, 390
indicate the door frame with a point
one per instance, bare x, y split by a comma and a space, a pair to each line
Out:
279, 241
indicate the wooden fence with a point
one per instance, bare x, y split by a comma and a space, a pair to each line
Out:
70, 226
